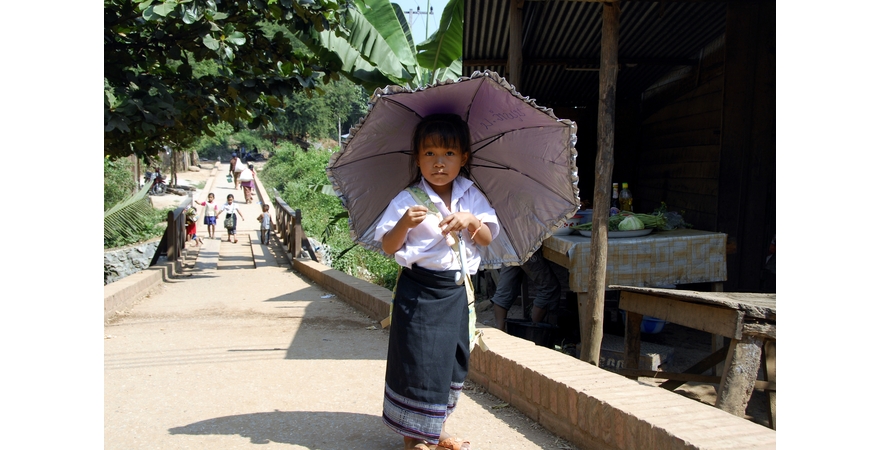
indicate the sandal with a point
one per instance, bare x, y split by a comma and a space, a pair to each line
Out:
454, 444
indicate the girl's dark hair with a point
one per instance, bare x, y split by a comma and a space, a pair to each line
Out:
442, 130
230, 196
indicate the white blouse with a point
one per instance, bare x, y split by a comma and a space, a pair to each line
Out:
424, 245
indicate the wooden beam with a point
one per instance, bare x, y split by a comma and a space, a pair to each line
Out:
698, 369
711, 319
584, 62
682, 378
514, 53
592, 309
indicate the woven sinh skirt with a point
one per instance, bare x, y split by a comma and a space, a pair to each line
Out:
428, 352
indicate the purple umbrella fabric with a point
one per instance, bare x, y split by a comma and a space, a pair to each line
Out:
524, 160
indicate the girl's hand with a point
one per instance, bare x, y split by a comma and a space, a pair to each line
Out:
458, 222
414, 216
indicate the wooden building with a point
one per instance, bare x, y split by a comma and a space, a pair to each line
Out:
695, 114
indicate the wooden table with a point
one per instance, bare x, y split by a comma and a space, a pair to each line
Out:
661, 258
747, 319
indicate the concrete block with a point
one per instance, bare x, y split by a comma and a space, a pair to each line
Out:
651, 357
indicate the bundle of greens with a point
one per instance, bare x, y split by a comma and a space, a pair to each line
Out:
661, 219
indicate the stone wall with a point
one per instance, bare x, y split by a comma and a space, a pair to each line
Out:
124, 261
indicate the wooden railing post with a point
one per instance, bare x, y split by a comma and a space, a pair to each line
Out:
297, 233
171, 242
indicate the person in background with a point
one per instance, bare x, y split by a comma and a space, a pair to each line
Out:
233, 162
247, 183
211, 211
265, 224
230, 208
547, 288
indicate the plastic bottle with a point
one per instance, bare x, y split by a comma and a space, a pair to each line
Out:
626, 198
615, 202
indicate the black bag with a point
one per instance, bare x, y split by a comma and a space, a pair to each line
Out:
229, 223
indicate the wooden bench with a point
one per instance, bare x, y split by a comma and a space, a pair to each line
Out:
747, 319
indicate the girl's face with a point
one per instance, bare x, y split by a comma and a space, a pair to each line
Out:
229, 199
440, 165
210, 197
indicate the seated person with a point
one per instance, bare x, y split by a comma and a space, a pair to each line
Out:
541, 275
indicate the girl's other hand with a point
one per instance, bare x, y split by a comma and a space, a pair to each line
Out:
414, 216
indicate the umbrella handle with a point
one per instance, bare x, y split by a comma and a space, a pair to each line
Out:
460, 276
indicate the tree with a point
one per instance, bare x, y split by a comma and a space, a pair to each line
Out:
172, 68
375, 48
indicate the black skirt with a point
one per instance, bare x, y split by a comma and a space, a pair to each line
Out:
428, 352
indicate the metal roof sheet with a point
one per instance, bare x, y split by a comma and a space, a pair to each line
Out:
562, 43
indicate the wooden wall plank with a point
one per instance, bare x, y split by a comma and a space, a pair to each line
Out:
695, 153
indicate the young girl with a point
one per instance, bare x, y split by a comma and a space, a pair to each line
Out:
211, 210
429, 342
230, 208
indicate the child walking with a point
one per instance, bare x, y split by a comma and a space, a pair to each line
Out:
230, 208
429, 340
211, 210
191, 218
265, 225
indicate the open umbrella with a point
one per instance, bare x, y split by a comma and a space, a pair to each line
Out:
523, 160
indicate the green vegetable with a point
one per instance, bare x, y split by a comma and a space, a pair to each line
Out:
630, 223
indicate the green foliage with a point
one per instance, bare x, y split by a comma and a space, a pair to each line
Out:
300, 176
172, 68
375, 47
119, 181
216, 145
133, 220
316, 117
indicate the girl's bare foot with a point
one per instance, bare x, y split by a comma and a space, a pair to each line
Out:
416, 444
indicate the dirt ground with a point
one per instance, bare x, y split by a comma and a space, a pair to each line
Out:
690, 346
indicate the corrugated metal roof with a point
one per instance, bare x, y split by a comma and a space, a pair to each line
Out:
561, 35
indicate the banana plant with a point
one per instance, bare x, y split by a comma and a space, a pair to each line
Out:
375, 47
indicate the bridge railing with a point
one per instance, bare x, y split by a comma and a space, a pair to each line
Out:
288, 228
173, 243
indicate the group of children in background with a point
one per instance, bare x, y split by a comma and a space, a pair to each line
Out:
213, 210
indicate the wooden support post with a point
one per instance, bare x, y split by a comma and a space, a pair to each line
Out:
514, 55
591, 306
769, 366
632, 344
738, 378
717, 340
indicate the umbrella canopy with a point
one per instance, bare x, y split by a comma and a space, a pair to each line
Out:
523, 160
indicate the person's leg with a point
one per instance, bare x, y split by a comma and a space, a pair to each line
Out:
546, 284
508, 285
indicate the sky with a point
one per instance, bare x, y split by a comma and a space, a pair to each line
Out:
418, 21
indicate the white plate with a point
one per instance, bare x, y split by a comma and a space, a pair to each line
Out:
621, 234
